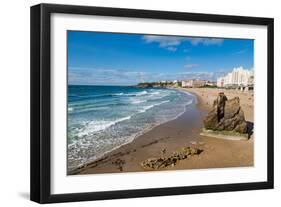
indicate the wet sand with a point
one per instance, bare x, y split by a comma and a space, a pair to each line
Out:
174, 135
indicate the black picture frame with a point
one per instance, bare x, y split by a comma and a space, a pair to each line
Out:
41, 97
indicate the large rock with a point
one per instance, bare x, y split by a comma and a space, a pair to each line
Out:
226, 115
232, 108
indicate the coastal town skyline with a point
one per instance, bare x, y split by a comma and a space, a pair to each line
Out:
96, 58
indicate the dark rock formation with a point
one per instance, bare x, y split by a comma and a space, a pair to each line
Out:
144, 85
226, 115
162, 162
119, 164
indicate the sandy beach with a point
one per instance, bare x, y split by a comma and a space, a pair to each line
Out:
181, 132
207, 96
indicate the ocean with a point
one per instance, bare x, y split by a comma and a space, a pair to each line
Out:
103, 118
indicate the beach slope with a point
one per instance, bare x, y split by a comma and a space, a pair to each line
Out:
183, 131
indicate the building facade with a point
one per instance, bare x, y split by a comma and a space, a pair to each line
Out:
220, 82
193, 83
238, 78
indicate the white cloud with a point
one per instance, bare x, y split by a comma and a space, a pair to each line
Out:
240, 52
190, 66
164, 41
197, 75
167, 42
171, 42
172, 49
99, 76
205, 41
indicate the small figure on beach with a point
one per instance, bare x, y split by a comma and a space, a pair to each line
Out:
219, 103
163, 151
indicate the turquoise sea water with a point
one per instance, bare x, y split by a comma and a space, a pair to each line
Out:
103, 118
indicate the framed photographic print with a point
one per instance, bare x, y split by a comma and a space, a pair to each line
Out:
133, 103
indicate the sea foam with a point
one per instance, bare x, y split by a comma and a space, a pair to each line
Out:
106, 118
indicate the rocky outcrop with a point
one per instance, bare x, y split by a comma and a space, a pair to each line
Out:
226, 115
144, 85
162, 162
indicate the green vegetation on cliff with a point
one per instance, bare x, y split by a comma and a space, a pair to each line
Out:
166, 84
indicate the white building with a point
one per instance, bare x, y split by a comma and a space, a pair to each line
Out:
211, 83
239, 77
193, 83
220, 82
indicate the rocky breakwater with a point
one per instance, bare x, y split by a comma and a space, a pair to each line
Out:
170, 161
226, 119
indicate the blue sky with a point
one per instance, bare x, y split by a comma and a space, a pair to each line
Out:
97, 58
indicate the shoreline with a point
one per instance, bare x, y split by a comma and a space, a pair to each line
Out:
134, 137
171, 136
